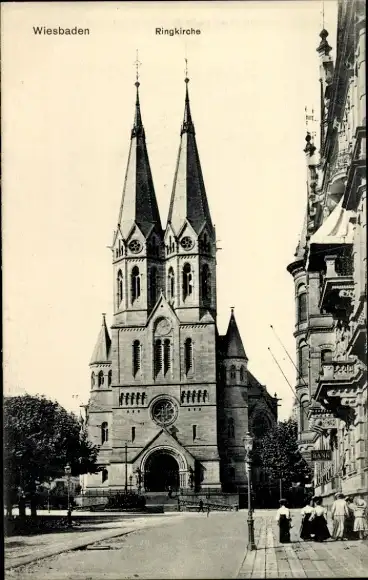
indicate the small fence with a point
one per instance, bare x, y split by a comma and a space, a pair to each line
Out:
208, 506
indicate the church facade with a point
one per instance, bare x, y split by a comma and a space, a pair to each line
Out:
171, 400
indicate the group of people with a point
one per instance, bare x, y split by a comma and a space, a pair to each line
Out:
349, 520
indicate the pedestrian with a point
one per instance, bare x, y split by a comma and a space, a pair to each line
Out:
169, 492
306, 527
349, 522
200, 508
318, 520
360, 517
208, 509
339, 513
283, 518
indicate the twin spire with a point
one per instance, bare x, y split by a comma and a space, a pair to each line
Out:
188, 199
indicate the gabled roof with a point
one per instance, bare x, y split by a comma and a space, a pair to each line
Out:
232, 344
188, 198
139, 204
101, 352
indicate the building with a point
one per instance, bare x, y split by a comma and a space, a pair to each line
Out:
330, 268
170, 397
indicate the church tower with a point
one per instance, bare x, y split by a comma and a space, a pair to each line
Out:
232, 406
137, 244
190, 242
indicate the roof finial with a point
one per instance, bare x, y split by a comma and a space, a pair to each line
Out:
323, 14
232, 309
137, 65
103, 318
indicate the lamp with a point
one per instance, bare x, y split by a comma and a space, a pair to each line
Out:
68, 471
248, 446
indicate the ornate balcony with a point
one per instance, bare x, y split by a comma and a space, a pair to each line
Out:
338, 386
337, 288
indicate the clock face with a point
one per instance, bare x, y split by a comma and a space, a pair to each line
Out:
164, 412
135, 246
187, 243
163, 327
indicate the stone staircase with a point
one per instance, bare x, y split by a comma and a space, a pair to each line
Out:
160, 499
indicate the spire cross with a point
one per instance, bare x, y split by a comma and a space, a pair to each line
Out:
186, 70
137, 63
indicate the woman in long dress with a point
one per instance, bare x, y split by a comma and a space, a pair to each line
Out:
360, 517
349, 532
283, 518
319, 521
339, 513
306, 527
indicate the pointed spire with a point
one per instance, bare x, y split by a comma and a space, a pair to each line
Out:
188, 198
139, 204
101, 352
233, 343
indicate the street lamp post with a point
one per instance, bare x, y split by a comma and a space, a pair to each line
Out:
68, 472
248, 445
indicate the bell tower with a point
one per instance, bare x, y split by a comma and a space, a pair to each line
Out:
190, 240
137, 245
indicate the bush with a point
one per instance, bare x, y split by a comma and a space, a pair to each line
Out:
126, 501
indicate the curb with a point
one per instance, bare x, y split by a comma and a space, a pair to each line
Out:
24, 560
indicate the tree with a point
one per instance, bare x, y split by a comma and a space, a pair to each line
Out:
41, 437
278, 455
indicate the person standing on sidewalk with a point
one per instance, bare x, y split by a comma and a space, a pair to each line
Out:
318, 521
339, 513
360, 517
349, 522
283, 518
200, 508
306, 527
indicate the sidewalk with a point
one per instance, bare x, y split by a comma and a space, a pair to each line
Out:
348, 559
23, 550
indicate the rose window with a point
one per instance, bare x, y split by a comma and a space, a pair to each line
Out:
186, 243
135, 246
164, 412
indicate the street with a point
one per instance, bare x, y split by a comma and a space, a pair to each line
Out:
197, 546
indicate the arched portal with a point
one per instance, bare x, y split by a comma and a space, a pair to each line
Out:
161, 472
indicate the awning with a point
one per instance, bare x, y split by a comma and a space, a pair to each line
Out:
336, 229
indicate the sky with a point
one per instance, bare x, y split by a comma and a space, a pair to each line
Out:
67, 112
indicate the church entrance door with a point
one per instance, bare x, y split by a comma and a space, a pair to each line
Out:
161, 472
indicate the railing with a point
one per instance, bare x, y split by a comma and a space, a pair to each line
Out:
338, 370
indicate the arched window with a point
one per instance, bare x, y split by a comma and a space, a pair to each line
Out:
158, 357
205, 396
187, 281
136, 284
120, 287
171, 284
304, 404
167, 356
231, 428
105, 475
206, 283
233, 372
109, 378
242, 373
136, 357
93, 379
303, 360
100, 379
104, 432
302, 306
188, 355
153, 285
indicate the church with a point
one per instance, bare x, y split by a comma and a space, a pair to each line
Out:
171, 400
